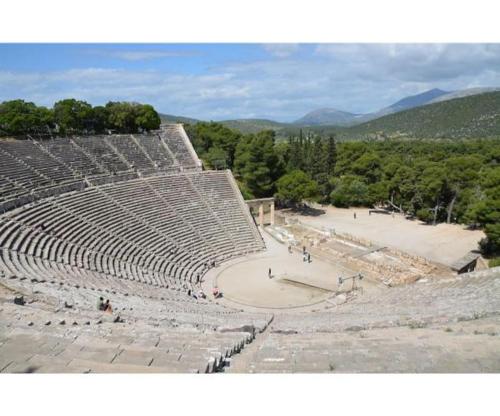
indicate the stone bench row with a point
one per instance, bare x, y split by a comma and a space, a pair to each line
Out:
40, 164
412, 305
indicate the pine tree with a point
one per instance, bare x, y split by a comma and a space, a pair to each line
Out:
295, 161
319, 166
318, 158
331, 158
331, 161
306, 156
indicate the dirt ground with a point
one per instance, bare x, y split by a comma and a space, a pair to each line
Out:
294, 283
443, 243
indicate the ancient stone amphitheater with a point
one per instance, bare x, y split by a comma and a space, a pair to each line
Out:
135, 219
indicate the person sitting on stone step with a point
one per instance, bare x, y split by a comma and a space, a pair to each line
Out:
100, 304
215, 292
107, 307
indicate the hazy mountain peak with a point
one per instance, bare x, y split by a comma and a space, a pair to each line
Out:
327, 116
418, 99
333, 116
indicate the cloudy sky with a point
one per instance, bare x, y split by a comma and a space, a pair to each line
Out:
226, 81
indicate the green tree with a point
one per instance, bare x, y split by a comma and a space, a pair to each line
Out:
73, 116
319, 166
307, 156
368, 166
432, 188
377, 192
282, 150
296, 156
331, 155
206, 136
216, 158
256, 163
146, 117
462, 171
18, 117
122, 117
349, 190
487, 214
100, 119
403, 189
295, 187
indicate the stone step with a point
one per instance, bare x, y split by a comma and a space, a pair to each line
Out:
49, 367
95, 367
131, 357
101, 355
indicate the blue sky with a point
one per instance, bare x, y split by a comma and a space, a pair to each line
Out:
226, 81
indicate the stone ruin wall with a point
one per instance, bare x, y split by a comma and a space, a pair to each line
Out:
411, 267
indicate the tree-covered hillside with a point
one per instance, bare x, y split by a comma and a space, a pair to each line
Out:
475, 116
253, 125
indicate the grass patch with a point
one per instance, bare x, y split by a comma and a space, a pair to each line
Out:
495, 262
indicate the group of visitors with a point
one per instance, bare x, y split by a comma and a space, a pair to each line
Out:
210, 264
104, 306
197, 295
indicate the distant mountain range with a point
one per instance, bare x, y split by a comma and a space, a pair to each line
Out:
328, 117
245, 125
421, 115
334, 117
254, 125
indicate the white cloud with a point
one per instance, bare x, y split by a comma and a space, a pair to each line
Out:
281, 50
351, 77
413, 62
140, 55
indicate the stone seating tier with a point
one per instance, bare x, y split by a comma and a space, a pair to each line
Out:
29, 167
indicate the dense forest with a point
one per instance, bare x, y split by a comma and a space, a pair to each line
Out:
19, 118
433, 180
